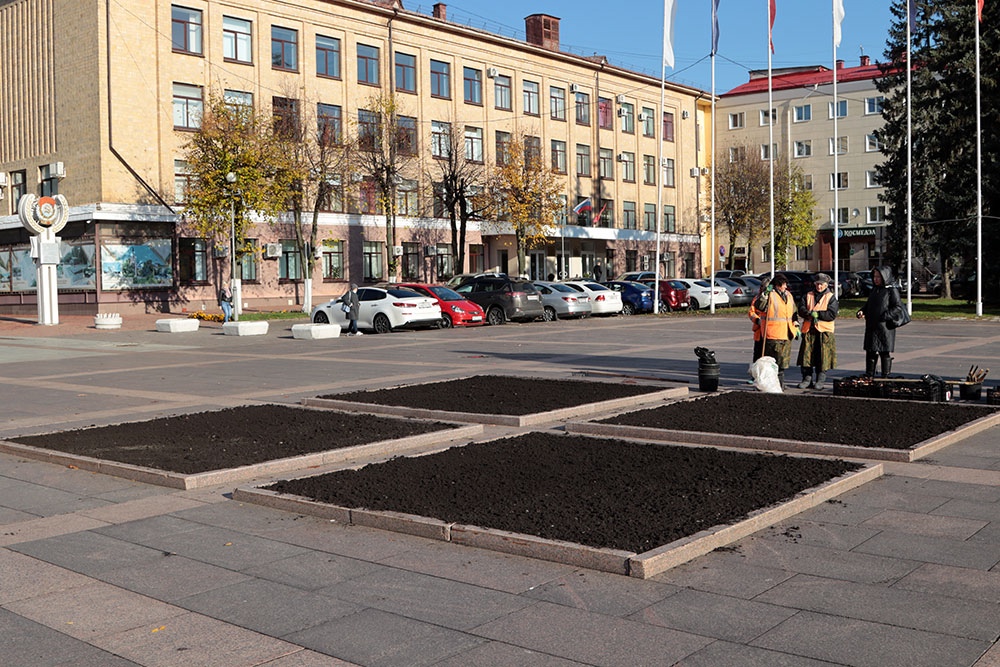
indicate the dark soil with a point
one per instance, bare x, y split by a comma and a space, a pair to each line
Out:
592, 491
229, 438
875, 423
498, 394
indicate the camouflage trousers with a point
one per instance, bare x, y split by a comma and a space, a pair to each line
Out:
819, 350
781, 350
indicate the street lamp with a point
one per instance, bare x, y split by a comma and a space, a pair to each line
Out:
233, 280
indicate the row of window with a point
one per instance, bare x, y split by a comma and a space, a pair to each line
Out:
803, 148
803, 113
237, 42
48, 184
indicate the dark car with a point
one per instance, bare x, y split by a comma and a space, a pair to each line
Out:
636, 297
503, 298
673, 295
800, 283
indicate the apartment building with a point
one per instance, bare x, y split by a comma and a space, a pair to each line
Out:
803, 116
99, 99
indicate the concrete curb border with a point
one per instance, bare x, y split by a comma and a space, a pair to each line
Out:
500, 420
176, 480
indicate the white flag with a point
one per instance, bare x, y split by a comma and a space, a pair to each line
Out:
669, 11
838, 18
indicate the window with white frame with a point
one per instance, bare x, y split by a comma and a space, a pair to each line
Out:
407, 201
737, 121
628, 166
843, 218
871, 179
841, 109
237, 99
502, 95
187, 106
237, 40
605, 163
182, 179
765, 118
649, 169
872, 143
648, 117
557, 103
803, 148
807, 182
765, 252
473, 144
440, 139
737, 153
767, 151
838, 145
372, 260
530, 95
875, 214
803, 113
838, 181
668, 172
628, 117
873, 105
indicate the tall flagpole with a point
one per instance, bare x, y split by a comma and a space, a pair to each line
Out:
979, 180
659, 156
836, 163
909, 158
715, 44
770, 123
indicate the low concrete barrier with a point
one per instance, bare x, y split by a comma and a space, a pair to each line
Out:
257, 328
315, 331
177, 325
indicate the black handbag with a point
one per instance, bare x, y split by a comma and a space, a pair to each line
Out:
902, 319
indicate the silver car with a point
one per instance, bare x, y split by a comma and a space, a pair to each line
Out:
561, 301
739, 295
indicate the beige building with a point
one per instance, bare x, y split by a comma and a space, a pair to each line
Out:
99, 99
803, 105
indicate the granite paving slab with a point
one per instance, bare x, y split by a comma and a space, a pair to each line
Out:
602, 593
819, 534
957, 582
312, 570
499, 654
980, 556
731, 577
712, 615
727, 653
25, 643
25, 577
89, 553
928, 525
171, 578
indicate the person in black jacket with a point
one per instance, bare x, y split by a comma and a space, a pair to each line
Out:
884, 305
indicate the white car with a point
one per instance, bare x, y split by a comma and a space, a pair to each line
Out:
603, 301
701, 294
383, 310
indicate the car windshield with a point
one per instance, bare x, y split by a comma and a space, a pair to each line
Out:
701, 283
556, 287
446, 294
594, 287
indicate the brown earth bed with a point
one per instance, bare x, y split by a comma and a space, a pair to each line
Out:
857, 422
497, 394
205, 441
597, 492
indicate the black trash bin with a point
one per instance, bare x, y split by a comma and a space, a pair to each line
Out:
708, 370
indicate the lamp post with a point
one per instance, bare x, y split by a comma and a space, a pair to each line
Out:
233, 280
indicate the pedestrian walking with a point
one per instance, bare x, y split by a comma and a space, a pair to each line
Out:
226, 303
598, 272
882, 313
818, 352
351, 305
780, 322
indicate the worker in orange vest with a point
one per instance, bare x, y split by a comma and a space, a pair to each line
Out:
818, 352
780, 323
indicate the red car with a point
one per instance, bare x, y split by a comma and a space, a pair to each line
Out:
456, 310
673, 295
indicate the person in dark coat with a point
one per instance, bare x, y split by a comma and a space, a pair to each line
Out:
884, 305
353, 303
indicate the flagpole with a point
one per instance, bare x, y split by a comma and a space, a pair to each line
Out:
770, 125
979, 177
909, 158
659, 149
836, 163
715, 43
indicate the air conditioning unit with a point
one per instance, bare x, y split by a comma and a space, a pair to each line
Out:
621, 157
57, 170
620, 99
664, 162
430, 251
221, 250
645, 262
622, 113
704, 171
695, 172
574, 88
272, 251
491, 72
397, 251
643, 117
3, 178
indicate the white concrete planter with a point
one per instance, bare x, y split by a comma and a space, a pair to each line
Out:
177, 325
107, 321
315, 331
258, 328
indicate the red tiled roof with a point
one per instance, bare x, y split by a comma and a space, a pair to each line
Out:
801, 77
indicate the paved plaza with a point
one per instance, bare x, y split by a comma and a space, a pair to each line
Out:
103, 572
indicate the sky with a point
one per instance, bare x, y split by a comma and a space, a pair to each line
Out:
630, 34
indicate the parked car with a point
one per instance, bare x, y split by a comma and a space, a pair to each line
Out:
750, 283
559, 300
636, 297
726, 273
849, 284
800, 283
457, 280
739, 295
383, 310
603, 300
502, 298
456, 310
935, 284
702, 294
637, 276
673, 295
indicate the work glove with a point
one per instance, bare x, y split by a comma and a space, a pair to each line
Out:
798, 334
815, 315
769, 289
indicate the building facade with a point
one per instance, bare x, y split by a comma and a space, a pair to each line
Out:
100, 98
803, 116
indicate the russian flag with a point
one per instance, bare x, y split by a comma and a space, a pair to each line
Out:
585, 205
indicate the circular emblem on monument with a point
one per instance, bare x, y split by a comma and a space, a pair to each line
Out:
47, 212
43, 214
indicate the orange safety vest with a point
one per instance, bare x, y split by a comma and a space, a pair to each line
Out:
780, 325
816, 307
754, 314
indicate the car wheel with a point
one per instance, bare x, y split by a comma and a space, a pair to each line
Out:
495, 316
445, 322
550, 314
628, 309
665, 307
321, 318
381, 324
695, 305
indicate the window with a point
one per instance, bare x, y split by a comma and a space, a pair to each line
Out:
737, 121
604, 113
627, 111
803, 253
328, 56
668, 172
838, 181
237, 99
875, 214
561, 215
605, 163
649, 169
182, 179
284, 49
187, 107
286, 116
410, 262
502, 92
369, 130
803, 148
669, 219
806, 182
329, 124
648, 120
246, 264
533, 152
368, 64
18, 186
737, 153
841, 109
192, 260
406, 135
477, 257
649, 217
873, 105
236, 40
372, 261
473, 85
583, 217
558, 156
407, 200
606, 217
765, 253
440, 79
803, 113
530, 89
631, 260
838, 145
872, 143
333, 195
628, 166
333, 260
290, 262
367, 190
628, 215
437, 200
48, 182
503, 147
185, 29
582, 108
440, 139
871, 179
406, 73
582, 160
766, 120
474, 144
557, 103
443, 261
766, 152
668, 126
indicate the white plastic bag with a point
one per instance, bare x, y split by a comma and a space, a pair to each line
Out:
765, 375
